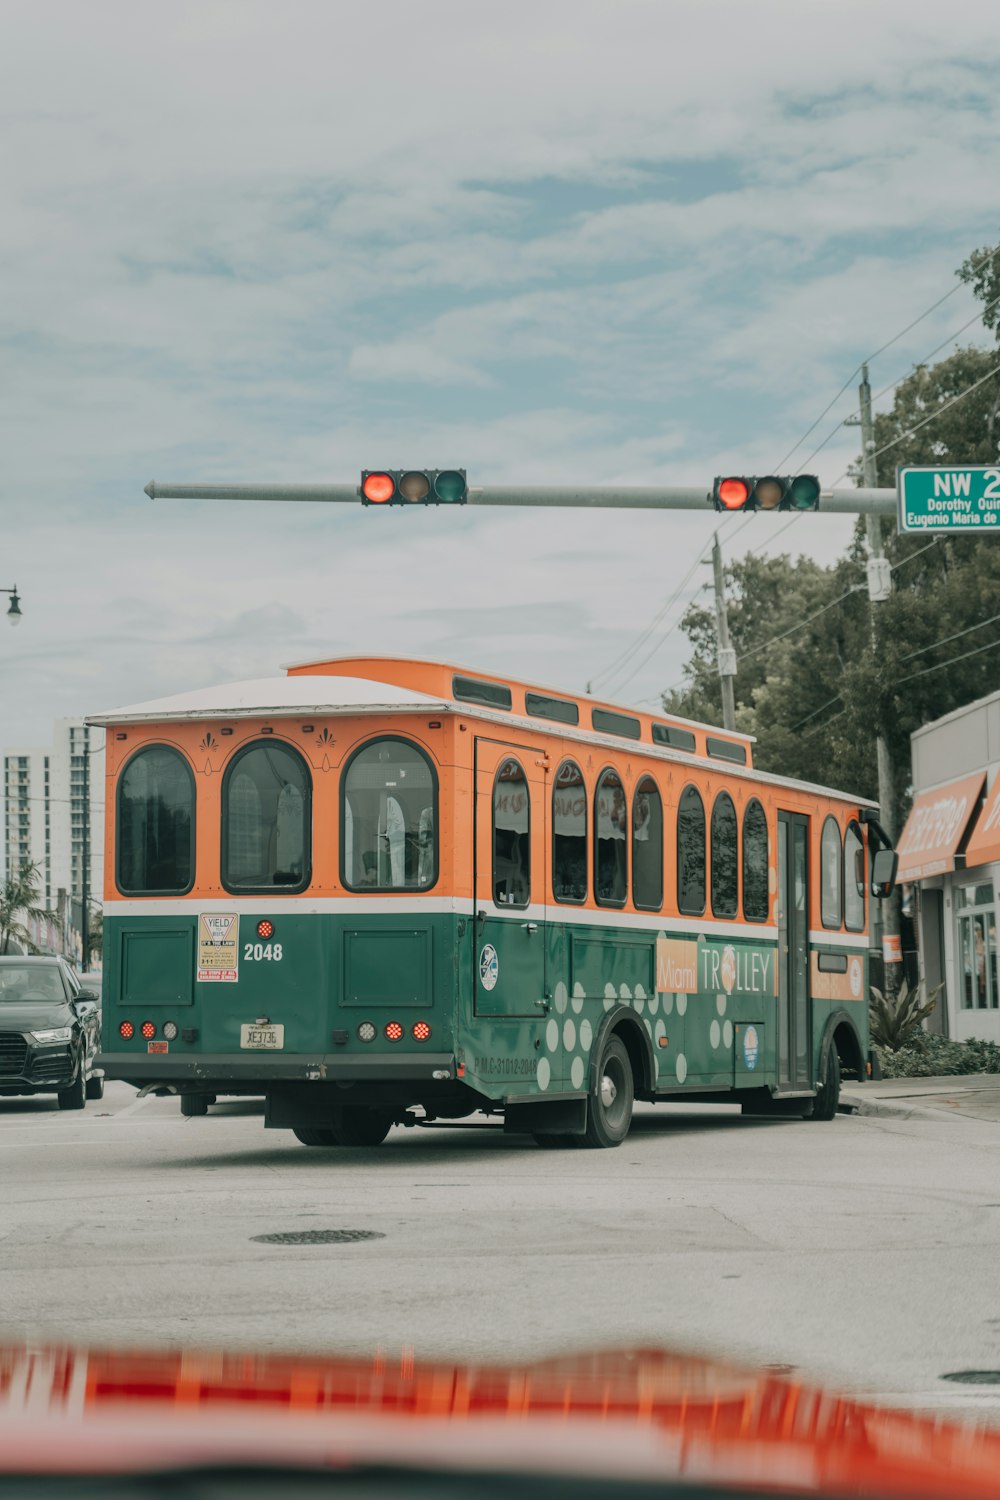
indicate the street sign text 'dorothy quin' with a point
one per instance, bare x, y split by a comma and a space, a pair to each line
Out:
938, 499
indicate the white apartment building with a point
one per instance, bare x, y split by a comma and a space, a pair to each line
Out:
45, 798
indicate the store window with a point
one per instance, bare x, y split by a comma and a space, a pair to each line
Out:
977, 946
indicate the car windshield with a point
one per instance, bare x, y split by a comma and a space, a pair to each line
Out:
26, 982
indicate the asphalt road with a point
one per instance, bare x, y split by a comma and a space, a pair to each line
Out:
863, 1251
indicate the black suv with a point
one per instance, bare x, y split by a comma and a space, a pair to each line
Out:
50, 1032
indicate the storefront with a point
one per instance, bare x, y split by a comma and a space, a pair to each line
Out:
949, 858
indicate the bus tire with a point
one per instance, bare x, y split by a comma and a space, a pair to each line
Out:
193, 1105
609, 1112
824, 1106
311, 1137
359, 1126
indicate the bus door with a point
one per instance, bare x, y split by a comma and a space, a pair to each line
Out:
509, 879
794, 1041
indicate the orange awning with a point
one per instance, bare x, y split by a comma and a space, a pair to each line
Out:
984, 844
934, 829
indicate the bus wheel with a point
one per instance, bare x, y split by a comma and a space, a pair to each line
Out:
609, 1114
363, 1127
194, 1104
317, 1137
824, 1106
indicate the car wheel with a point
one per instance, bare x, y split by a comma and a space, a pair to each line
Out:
193, 1105
95, 1086
824, 1106
609, 1110
310, 1137
75, 1097
363, 1127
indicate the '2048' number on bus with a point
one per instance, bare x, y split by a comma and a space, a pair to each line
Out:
256, 952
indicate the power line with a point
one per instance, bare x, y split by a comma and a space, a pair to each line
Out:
948, 638
621, 661
854, 589
904, 560
950, 662
828, 704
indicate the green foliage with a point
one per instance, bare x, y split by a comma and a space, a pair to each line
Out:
894, 1021
20, 895
931, 1056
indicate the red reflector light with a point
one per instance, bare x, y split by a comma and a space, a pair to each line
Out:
421, 1031
733, 493
394, 1031
265, 929
378, 488
148, 1029
126, 1029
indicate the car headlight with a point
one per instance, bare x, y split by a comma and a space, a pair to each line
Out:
60, 1034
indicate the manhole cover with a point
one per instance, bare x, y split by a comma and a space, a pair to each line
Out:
318, 1237
973, 1377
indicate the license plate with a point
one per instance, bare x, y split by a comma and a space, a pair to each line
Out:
262, 1038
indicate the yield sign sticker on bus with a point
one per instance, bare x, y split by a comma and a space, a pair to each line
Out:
218, 946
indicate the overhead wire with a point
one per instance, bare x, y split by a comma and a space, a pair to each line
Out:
946, 640
990, 645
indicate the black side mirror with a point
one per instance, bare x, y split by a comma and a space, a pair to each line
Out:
884, 867
84, 1001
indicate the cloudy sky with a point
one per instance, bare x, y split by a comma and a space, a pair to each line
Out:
557, 241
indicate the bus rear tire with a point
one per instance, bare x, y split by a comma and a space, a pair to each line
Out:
609, 1111
193, 1105
358, 1126
311, 1137
824, 1106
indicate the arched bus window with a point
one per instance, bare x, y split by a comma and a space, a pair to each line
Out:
854, 879
831, 884
610, 841
569, 834
755, 859
691, 853
725, 857
388, 818
266, 816
155, 824
511, 836
647, 846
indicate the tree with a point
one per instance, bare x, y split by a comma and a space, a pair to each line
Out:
19, 904
96, 933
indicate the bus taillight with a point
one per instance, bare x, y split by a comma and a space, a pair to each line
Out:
126, 1029
265, 929
394, 1031
421, 1031
149, 1030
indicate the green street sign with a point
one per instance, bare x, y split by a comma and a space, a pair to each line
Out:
933, 499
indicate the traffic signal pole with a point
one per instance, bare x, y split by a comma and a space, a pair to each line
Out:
868, 501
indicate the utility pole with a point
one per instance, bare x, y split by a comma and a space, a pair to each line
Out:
879, 590
724, 649
85, 876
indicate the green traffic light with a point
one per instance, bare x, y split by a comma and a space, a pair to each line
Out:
450, 487
803, 492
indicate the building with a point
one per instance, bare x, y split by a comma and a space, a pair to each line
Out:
46, 797
949, 855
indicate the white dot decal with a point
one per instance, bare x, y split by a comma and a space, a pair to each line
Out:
609, 996
682, 1004
625, 993
654, 1004
681, 1068
543, 1073
720, 1004
668, 1004
727, 1033
648, 1024
561, 997
576, 1073
714, 1033
569, 1035
639, 998
552, 1035
586, 1035
661, 1032
578, 998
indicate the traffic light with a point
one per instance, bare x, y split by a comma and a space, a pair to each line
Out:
771, 492
413, 487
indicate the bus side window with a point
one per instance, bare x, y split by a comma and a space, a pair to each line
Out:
691, 853
725, 857
647, 846
831, 874
755, 857
854, 879
610, 841
155, 824
569, 834
511, 836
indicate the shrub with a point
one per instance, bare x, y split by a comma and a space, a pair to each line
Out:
893, 1023
927, 1055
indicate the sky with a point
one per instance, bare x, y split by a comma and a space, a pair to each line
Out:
564, 241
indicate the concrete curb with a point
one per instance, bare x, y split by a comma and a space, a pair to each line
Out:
888, 1109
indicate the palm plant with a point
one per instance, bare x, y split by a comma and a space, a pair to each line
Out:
20, 896
894, 1022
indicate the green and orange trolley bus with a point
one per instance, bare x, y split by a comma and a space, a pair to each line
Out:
380, 891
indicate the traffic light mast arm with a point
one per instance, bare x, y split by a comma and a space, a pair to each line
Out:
574, 497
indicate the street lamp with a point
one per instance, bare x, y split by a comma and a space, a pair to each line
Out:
14, 609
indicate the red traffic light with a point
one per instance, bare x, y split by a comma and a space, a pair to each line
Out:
378, 487
732, 494
413, 487
794, 492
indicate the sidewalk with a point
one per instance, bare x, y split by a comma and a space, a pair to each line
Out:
976, 1095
